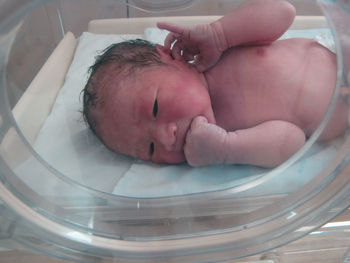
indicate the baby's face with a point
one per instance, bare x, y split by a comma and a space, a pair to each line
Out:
149, 115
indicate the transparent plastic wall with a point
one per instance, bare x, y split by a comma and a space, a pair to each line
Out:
79, 221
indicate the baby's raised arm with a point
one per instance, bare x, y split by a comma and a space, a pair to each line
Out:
254, 22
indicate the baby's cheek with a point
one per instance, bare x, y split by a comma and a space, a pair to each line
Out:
170, 157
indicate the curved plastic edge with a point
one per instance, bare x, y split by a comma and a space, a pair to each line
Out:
40, 96
137, 25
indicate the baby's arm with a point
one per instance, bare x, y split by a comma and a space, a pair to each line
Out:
268, 144
255, 22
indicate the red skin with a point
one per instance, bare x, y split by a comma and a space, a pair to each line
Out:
247, 99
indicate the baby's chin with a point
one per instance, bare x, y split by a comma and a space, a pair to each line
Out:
175, 158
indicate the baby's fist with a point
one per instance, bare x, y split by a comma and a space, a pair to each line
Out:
205, 143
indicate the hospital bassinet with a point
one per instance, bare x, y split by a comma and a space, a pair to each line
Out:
100, 206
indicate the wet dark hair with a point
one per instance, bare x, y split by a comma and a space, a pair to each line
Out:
125, 57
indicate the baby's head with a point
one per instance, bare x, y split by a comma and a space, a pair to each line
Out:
139, 101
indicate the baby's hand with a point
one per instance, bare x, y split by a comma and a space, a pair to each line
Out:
203, 43
205, 143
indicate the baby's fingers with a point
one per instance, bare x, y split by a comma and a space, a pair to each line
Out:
174, 28
188, 56
204, 62
169, 40
198, 62
198, 122
177, 50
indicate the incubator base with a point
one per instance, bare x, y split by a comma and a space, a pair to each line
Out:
329, 243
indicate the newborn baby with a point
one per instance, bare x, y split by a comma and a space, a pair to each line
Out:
226, 92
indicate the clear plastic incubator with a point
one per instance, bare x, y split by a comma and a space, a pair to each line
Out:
63, 194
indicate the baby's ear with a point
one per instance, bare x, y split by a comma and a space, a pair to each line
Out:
164, 53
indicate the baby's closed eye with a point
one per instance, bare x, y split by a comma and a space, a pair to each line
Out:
151, 149
155, 108
155, 112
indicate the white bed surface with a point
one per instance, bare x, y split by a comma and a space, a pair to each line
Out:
67, 145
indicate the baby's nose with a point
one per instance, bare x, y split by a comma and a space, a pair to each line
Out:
166, 135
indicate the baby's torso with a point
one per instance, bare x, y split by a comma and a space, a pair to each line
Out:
289, 80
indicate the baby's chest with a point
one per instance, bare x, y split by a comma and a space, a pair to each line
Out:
246, 92
245, 107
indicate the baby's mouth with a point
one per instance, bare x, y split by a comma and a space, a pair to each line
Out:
184, 136
179, 143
